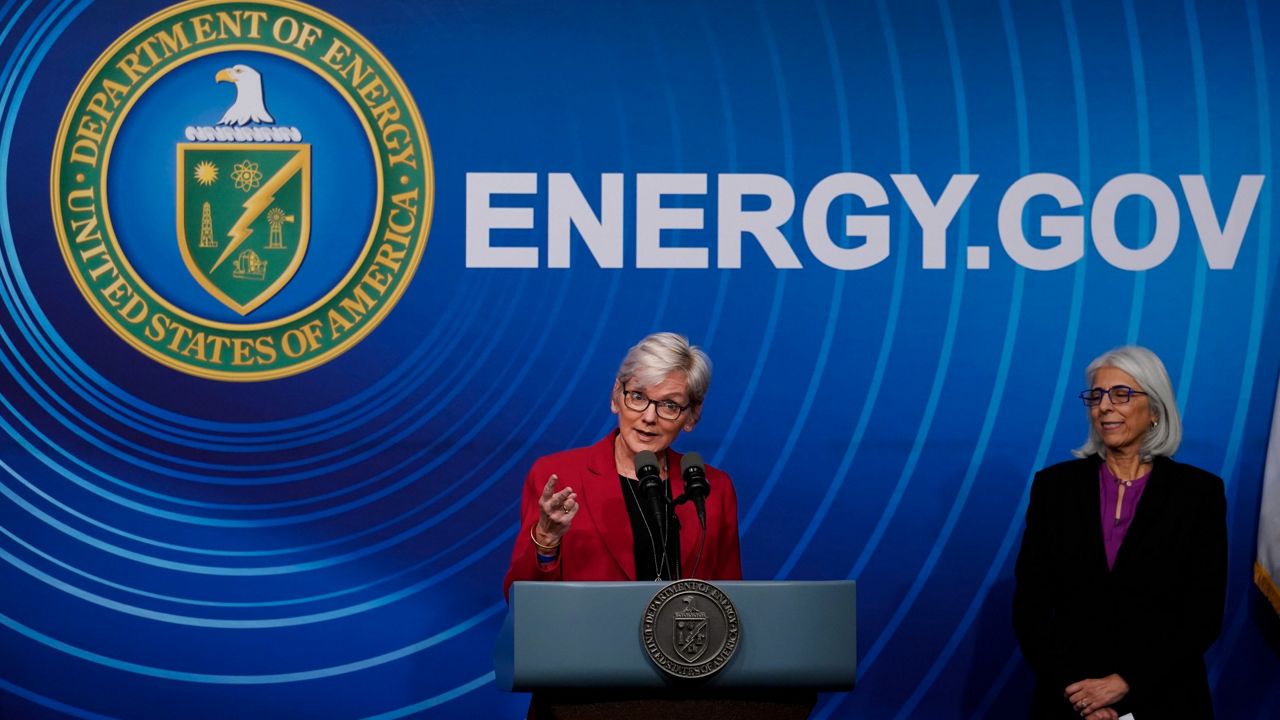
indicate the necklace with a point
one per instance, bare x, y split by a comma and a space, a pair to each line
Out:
662, 531
1141, 469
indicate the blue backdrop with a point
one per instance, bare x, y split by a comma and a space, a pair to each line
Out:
332, 543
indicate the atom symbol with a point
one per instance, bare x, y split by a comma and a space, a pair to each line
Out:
246, 175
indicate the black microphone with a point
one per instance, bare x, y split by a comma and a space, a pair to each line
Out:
696, 487
650, 477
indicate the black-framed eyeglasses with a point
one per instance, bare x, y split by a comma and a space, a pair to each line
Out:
1120, 394
639, 402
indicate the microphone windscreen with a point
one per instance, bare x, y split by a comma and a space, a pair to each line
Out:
644, 459
695, 477
689, 460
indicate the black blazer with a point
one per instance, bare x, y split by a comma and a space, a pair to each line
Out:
1151, 618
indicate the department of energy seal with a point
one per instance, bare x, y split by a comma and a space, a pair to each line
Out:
690, 629
294, 161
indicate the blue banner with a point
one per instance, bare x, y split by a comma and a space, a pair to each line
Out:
293, 296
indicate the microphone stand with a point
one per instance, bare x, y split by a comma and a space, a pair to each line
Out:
675, 528
702, 533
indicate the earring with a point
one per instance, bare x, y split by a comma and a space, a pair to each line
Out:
1155, 423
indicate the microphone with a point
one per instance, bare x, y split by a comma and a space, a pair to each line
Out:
650, 477
696, 487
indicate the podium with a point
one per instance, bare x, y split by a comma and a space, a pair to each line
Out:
579, 647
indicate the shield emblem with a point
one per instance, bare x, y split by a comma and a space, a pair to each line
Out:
690, 632
244, 212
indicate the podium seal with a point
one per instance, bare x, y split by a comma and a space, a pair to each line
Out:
690, 629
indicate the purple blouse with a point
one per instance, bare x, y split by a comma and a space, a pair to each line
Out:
1113, 530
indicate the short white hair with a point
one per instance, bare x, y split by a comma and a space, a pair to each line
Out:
660, 354
1146, 369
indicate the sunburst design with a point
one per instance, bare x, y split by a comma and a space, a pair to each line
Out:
206, 173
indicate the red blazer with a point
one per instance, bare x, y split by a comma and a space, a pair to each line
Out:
599, 545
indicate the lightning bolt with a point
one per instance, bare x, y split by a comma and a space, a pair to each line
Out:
258, 202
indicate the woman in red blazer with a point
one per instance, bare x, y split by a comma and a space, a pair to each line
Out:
581, 515
1122, 574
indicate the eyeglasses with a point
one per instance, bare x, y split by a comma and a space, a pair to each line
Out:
1120, 394
639, 402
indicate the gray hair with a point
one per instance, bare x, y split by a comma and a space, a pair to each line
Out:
660, 354
1146, 369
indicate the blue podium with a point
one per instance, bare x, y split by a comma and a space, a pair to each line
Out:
580, 648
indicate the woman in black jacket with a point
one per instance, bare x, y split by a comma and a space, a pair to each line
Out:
1121, 578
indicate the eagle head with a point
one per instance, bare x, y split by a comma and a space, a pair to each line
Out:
250, 105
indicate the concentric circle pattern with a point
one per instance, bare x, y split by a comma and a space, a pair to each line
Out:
331, 544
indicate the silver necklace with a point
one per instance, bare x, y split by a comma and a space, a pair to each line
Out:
657, 564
